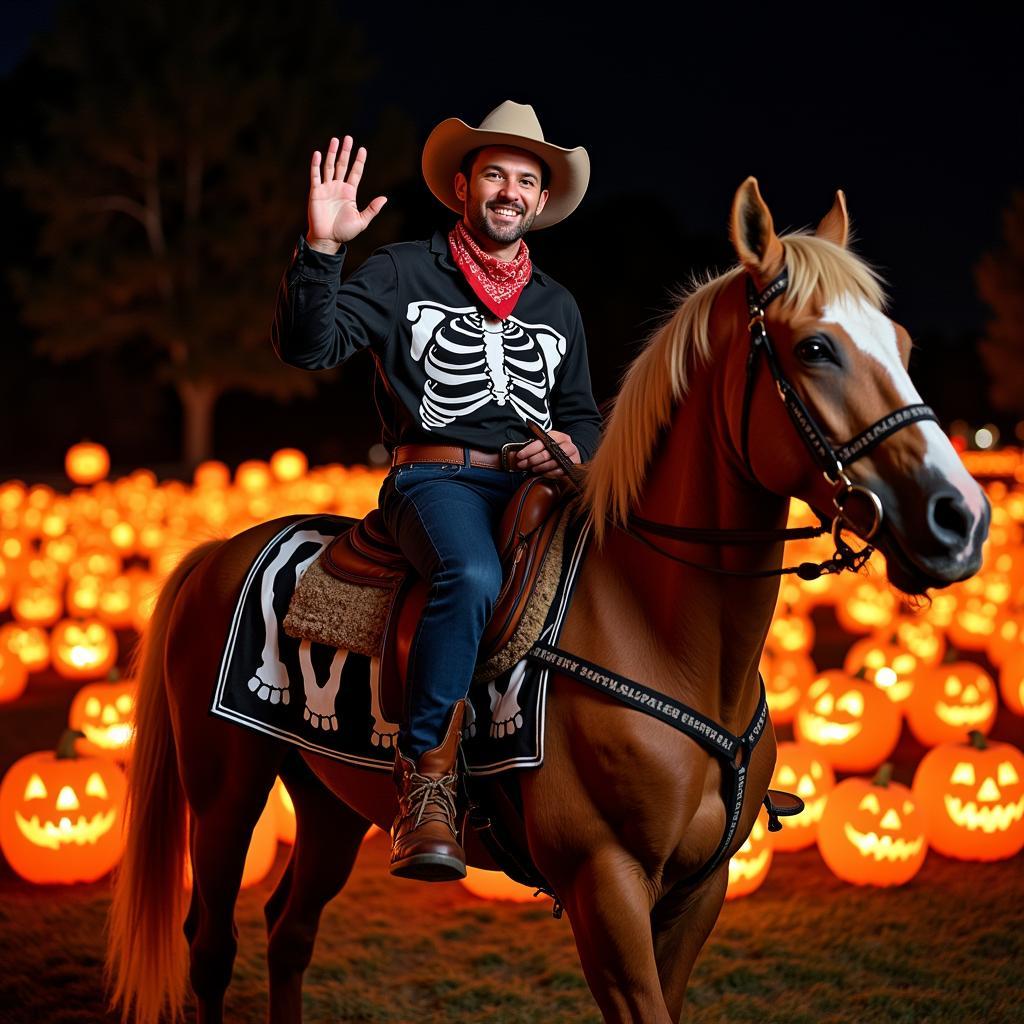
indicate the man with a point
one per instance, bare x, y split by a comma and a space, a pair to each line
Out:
471, 341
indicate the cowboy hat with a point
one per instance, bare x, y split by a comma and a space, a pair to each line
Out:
510, 124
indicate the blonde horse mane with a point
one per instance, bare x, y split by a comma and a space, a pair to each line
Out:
658, 378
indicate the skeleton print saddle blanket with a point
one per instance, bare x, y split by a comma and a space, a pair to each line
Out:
327, 700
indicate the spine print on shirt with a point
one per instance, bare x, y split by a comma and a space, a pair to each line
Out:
470, 360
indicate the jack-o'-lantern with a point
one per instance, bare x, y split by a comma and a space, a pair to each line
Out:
1011, 681
1007, 637
29, 643
13, 675
102, 712
873, 831
853, 724
61, 815
803, 770
496, 885
882, 661
748, 866
973, 794
82, 595
94, 561
941, 609
949, 700
211, 473
285, 808
86, 462
869, 605
920, 637
787, 674
83, 648
973, 623
790, 631
36, 604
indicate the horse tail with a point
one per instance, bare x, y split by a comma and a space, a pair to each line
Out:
147, 957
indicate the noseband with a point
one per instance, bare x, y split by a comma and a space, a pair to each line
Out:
832, 462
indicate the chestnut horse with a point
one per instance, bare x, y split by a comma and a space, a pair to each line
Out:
624, 810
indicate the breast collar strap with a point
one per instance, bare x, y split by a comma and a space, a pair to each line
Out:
734, 751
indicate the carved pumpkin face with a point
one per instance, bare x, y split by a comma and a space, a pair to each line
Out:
867, 607
786, 678
790, 631
921, 638
36, 603
29, 643
872, 832
885, 664
83, 648
950, 700
60, 817
801, 769
748, 866
102, 711
973, 794
1007, 638
852, 723
974, 622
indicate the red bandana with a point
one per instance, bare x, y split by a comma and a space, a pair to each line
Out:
497, 283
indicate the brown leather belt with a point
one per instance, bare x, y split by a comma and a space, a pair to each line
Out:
454, 453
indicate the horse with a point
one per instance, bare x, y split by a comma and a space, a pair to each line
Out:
624, 811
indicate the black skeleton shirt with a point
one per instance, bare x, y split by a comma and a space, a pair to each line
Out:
448, 371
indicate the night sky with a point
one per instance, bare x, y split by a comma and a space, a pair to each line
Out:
918, 120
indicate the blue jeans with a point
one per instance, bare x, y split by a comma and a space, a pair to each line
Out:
444, 517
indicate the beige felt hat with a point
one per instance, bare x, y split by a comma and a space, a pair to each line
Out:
511, 124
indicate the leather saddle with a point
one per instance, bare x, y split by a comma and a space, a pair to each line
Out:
366, 554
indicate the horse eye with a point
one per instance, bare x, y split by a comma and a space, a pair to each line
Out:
813, 351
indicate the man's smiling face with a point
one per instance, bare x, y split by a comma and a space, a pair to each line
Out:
503, 193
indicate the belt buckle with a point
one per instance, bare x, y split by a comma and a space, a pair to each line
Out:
506, 449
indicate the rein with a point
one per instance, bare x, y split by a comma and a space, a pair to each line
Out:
831, 461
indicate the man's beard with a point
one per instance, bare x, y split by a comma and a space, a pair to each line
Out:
505, 234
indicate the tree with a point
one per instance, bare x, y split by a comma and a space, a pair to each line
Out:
1000, 279
171, 179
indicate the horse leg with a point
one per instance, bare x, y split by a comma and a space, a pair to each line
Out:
681, 925
328, 836
221, 832
608, 901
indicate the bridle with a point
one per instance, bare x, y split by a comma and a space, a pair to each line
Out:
831, 461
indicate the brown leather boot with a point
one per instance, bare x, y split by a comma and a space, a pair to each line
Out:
425, 833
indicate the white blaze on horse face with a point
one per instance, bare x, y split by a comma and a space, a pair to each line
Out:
874, 334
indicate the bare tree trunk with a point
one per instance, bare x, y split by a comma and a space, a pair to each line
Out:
198, 399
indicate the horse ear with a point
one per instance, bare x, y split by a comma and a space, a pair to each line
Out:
753, 234
835, 225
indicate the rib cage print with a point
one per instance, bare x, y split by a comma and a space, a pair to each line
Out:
470, 360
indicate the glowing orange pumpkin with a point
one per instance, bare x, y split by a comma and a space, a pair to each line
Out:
973, 623
1007, 638
748, 866
83, 648
29, 643
787, 674
13, 675
36, 603
974, 797
949, 700
882, 661
102, 713
1011, 681
920, 637
853, 724
496, 885
790, 631
87, 462
869, 605
61, 815
873, 831
801, 769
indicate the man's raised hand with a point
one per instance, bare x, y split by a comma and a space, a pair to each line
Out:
334, 216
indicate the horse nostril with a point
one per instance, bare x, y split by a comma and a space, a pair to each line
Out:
947, 514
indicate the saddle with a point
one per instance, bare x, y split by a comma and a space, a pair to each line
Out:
367, 555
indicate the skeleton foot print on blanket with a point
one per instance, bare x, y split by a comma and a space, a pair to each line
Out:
327, 700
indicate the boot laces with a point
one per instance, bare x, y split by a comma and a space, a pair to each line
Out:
428, 790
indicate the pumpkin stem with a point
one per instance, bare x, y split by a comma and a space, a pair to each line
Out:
883, 776
977, 739
66, 744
